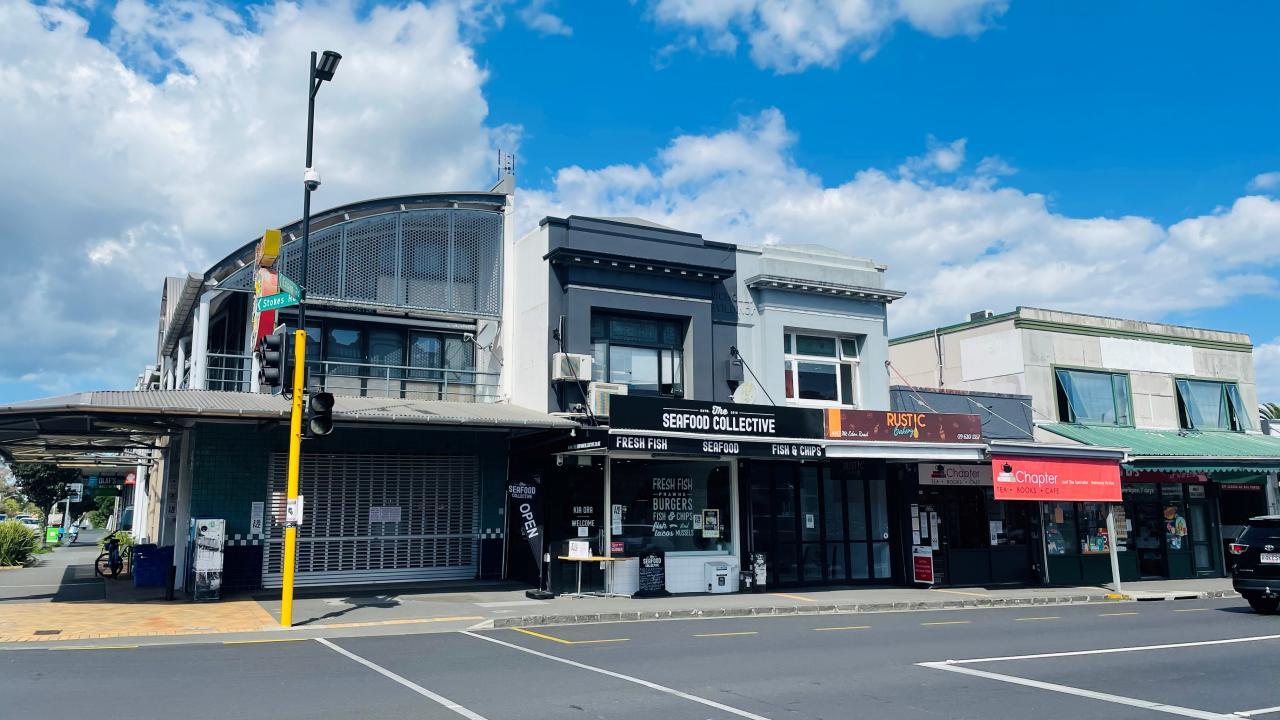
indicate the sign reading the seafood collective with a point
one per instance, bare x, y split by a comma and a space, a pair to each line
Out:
708, 418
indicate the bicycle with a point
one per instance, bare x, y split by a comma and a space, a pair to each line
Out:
110, 563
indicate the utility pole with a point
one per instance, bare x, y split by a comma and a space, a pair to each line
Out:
320, 72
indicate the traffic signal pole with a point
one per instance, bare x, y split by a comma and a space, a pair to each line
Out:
295, 457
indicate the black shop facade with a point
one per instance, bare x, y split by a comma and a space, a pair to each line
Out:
726, 494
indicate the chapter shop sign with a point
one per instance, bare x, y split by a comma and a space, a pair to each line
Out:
1083, 479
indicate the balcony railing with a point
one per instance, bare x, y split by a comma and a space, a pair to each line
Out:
233, 372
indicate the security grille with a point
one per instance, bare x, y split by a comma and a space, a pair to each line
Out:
342, 541
435, 259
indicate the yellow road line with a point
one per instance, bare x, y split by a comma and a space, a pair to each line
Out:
948, 622
95, 647
1116, 614
959, 592
267, 640
562, 641
795, 597
1046, 617
726, 634
845, 627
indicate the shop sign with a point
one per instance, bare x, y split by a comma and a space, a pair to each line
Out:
1138, 490
922, 564
653, 573
1084, 479
525, 500
1240, 487
954, 475
1153, 476
697, 446
902, 426
630, 412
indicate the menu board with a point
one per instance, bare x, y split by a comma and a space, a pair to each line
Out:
653, 573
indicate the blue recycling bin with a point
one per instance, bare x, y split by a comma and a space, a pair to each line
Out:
150, 564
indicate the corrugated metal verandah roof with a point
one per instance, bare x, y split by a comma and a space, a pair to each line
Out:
1181, 451
117, 427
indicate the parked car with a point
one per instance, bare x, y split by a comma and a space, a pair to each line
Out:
1257, 563
32, 524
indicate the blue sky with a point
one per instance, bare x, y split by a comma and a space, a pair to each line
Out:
1091, 156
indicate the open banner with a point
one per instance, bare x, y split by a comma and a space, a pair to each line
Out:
1083, 479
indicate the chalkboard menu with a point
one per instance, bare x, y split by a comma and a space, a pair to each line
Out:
653, 574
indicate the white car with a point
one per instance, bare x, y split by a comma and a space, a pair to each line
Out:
32, 524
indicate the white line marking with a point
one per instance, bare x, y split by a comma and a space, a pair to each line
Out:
1262, 711
444, 701
1105, 697
1105, 651
82, 582
510, 603
628, 678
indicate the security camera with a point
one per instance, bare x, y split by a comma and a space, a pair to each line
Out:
311, 178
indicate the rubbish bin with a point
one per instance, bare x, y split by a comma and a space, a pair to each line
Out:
146, 568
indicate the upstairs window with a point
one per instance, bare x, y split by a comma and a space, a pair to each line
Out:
1209, 405
646, 354
1093, 398
821, 369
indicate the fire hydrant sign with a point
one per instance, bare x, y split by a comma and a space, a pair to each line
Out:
922, 564
1080, 479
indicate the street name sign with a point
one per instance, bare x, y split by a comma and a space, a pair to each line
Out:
275, 302
289, 287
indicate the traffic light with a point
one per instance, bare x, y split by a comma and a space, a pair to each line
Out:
273, 359
320, 414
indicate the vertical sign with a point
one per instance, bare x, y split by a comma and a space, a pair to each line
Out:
527, 502
255, 517
922, 564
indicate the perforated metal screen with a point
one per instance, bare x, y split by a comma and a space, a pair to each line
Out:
341, 541
434, 259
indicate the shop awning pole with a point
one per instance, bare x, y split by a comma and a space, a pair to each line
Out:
1115, 552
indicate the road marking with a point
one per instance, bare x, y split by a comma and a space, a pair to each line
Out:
795, 597
1108, 651
83, 582
1192, 610
960, 592
845, 627
948, 622
1263, 711
726, 634
628, 678
1080, 692
1116, 614
266, 640
440, 699
94, 647
562, 641
1029, 619
510, 603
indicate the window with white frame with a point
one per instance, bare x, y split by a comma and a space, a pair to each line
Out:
821, 369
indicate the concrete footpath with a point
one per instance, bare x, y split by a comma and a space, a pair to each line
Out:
63, 616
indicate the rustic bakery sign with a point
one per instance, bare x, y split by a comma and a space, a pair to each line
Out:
707, 418
902, 426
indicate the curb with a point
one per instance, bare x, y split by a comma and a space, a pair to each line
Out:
839, 609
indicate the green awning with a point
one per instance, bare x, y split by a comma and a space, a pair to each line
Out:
1220, 454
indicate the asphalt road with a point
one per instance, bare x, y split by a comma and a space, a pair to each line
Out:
816, 666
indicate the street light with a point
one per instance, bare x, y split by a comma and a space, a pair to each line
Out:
321, 72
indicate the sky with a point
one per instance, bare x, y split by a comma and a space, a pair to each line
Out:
1108, 158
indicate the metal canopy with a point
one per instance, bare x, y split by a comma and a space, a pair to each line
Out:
81, 439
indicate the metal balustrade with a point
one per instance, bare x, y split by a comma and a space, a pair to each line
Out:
341, 377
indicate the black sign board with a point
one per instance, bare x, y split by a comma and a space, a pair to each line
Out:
659, 444
629, 412
525, 504
653, 574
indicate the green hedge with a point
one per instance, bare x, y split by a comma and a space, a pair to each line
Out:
17, 543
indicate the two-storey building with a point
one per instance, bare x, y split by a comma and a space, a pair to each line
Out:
1179, 400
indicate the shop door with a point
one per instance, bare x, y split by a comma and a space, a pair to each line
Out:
1201, 533
376, 518
1148, 540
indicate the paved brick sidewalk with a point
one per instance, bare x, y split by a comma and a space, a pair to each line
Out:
34, 622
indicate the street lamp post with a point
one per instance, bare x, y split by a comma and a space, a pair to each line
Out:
321, 72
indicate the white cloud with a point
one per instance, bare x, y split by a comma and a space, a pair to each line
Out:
792, 35
183, 137
939, 157
536, 16
954, 246
1265, 181
1266, 365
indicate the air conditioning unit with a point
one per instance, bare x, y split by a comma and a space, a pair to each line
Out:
598, 395
570, 366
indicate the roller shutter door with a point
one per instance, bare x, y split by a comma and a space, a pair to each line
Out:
340, 543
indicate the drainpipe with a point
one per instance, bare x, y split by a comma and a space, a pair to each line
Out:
200, 343
1273, 494
180, 370
937, 349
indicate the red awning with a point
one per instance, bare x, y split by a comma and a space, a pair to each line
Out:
1068, 479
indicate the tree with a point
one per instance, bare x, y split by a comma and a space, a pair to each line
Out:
1270, 410
43, 483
